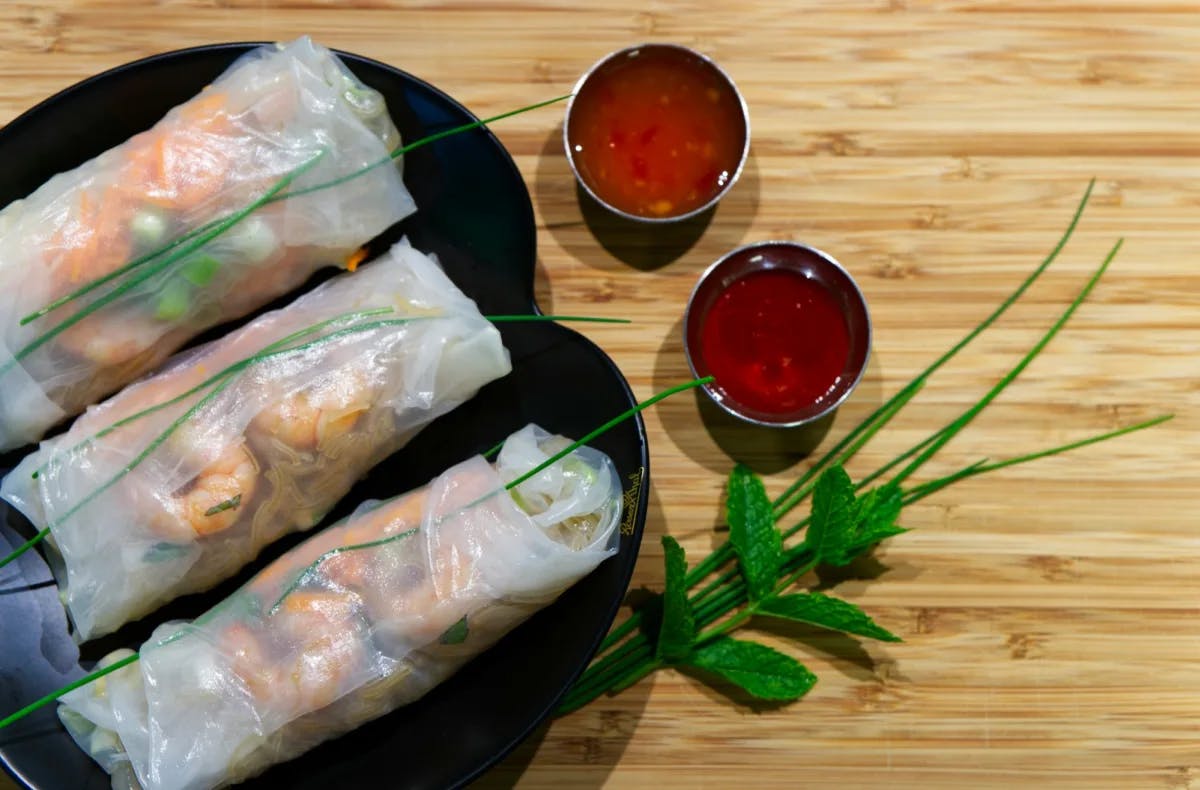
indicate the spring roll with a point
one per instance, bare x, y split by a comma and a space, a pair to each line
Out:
178, 481
82, 239
359, 620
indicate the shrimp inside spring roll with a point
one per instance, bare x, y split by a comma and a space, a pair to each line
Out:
357, 621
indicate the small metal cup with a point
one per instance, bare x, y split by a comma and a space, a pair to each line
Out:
672, 50
811, 263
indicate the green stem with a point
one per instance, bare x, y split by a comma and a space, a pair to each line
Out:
727, 626
26, 546
345, 317
633, 675
783, 506
795, 576
983, 467
521, 317
953, 429
432, 138
752, 609
610, 666
1020, 459
92, 285
986, 322
606, 427
51, 697
307, 573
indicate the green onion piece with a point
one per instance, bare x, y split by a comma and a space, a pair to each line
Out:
201, 270
173, 302
221, 507
455, 634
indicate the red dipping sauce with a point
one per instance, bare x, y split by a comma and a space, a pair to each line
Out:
783, 330
657, 132
776, 341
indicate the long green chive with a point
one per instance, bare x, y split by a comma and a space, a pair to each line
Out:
433, 138
966, 339
312, 567
26, 546
953, 429
52, 696
92, 285
985, 466
241, 364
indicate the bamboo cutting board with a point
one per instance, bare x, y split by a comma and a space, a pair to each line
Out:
1050, 611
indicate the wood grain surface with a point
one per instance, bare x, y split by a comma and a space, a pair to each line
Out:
1049, 612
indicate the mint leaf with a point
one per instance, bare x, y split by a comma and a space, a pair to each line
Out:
869, 539
874, 520
830, 533
455, 634
844, 526
678, 629
878, 509
752, 531
827, 612
762, 671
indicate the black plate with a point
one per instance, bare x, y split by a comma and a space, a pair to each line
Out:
475, 214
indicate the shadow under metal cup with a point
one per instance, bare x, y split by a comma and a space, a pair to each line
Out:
811, 264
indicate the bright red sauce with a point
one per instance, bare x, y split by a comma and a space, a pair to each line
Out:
656, 135
776, 341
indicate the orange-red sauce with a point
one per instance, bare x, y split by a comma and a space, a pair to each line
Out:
658, 134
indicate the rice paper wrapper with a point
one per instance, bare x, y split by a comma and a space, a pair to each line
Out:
357, 621
278, 113
178, 481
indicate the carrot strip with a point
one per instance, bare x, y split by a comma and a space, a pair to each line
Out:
355, 258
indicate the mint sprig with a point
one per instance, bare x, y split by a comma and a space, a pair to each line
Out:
847, 520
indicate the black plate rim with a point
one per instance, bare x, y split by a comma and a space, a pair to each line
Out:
629, 557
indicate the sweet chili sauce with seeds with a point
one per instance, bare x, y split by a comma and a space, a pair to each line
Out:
657, 133
776, 341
